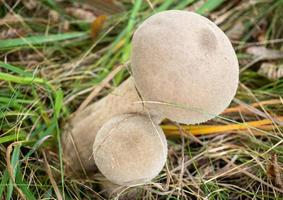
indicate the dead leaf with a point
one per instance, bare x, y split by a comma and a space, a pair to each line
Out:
263, 53
97, 25
271, 71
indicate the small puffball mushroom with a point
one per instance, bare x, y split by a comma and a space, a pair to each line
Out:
184, 66
130, 149
80, 131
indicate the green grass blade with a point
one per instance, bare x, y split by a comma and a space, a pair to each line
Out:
39, 40
20, 101
14, 69
24, 187
4, 181
129, 29
20, 183
11, 138
58, 102
164, 6
57, 108
209, 6
18, 79
14, 162
183, 4
15, 159
10, 189
38, 143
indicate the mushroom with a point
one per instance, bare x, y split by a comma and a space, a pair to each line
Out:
80, 131
130, 149
184, 68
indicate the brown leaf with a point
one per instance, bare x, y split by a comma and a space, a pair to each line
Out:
97, 25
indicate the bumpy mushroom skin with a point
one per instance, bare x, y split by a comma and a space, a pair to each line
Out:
81, 130
130, 149
184, 66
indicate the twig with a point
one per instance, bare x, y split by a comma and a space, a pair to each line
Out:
49, 173
10, 168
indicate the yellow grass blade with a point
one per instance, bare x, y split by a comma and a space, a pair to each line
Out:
171, 130
244, 109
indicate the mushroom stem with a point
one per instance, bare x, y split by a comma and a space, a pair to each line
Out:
80, 131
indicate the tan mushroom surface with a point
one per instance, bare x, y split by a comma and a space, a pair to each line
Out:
184, 66
130, 149
80, 131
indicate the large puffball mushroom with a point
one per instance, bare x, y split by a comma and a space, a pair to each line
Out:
184, 66
130, 149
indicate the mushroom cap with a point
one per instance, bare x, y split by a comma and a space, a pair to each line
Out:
130, 149
184, 66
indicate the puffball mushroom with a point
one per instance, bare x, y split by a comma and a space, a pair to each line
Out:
80, 131
130, 149
184, 66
